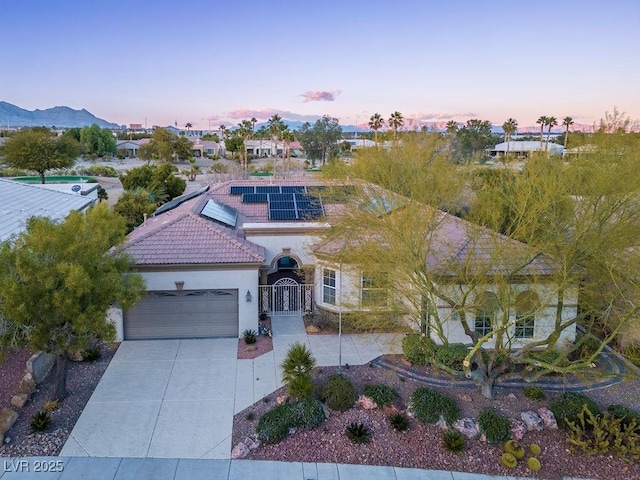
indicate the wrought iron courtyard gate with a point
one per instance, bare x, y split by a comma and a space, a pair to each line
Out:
286, 297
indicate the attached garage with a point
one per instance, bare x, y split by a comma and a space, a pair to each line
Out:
183, 314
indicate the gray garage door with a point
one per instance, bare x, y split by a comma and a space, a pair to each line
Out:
183, 314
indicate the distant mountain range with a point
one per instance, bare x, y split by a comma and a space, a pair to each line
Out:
64, 117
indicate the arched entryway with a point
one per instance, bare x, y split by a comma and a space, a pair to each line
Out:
286, 292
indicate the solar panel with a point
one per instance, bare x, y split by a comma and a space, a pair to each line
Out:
281, 197
220, 213
239, 190
268, 189
282, 206
282, 215
254, 198
293, 189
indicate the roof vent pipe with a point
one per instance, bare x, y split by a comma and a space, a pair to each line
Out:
144, 215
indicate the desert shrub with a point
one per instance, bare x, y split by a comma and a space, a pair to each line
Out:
275, 424
339, 393
587, 346
383, 395
534, 393
51, 405
92, 353
250, 336
101, 171
358, 433
418, 349
626, 415
632, 353
300, 387
399, 422
496, 427
453, 441
427, 405
219, 168
249, 417
40, 421
13, 172
600, 435
568, 406
452, 355
550, 356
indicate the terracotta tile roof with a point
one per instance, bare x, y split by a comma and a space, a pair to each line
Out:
182, 236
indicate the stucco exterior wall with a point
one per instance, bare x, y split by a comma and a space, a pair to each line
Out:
299, 246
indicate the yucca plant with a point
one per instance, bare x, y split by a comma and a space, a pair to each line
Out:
250, 336
399, 422
358, 433
92, 354
453, 441
40, 421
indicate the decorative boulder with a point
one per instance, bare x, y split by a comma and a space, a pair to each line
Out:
548, 418
282, 399
19, 400
442, 424
518, 429
532, 420
366, 403
467, 427
252, 442
239, 451
27, 384
312, 329
7, 418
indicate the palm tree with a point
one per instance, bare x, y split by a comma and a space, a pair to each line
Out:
551, 122
287, 137
451, 127
275, 128
253, 121
510, 127
543, 122
188, 125
245, 130
567, 122
396, 121
223, 131
376, 122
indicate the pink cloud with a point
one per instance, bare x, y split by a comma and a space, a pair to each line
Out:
321, 96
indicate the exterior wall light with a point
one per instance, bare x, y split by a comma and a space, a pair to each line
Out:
248, 296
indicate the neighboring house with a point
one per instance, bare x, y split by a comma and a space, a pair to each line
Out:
523, 149
21, 201
131, 147
217, 258
207, 147
357, 143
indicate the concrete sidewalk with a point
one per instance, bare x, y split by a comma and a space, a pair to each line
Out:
94, 468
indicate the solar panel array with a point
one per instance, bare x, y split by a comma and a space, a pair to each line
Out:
286, 202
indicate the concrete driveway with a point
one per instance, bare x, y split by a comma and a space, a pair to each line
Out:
177, 398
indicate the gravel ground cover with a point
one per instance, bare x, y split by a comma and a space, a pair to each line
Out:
82, 379
420, 446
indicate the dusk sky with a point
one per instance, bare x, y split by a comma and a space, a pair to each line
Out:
207, 62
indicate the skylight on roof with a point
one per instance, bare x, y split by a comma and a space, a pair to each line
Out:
220, 213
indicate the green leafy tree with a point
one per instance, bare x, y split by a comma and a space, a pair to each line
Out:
161, 147
39, 150
578, 226
58, 280
235, 145
98, 141
182, 149
452, 127
473, 138
321, 141
158, 179
132, 205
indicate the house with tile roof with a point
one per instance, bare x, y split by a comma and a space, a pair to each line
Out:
21, 201
215, 259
